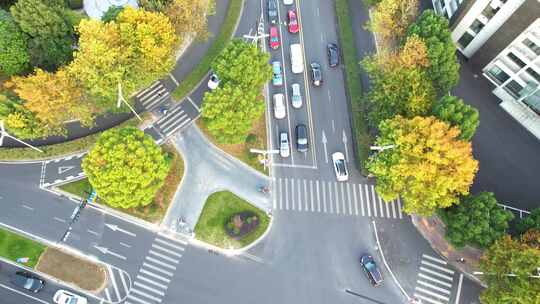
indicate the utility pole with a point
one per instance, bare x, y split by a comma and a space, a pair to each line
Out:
4, 134
122, 99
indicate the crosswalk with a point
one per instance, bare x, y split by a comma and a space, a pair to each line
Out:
332, 197
175, 119
118, 284
157, 270
152, 96
434, 282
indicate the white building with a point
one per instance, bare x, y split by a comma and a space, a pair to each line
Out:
96, 8
501, 39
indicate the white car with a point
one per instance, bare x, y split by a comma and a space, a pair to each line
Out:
66, 297
340, 167
213, 82
284, 149
279, 106
296, 99
287, 2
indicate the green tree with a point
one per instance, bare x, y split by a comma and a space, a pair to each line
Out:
112, 13
20, 121
230, 110
14, 56
457, 113
155, 5
532, 221
126, 167
444, 68
508, 266
477, 220
391, 18
428, 166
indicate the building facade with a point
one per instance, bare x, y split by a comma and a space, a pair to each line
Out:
501, 39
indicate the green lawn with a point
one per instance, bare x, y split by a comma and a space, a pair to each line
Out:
223, 37
362, 138
219, 207
13, 246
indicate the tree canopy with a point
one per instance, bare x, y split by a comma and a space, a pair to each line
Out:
19, 121
188, 16
457, 113
532, 221
429, 167
112, 13
390, 19
477, 220
126, 167
14, 56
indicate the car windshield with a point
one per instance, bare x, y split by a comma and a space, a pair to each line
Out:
302, 141
340, 165
371, 266
28, 283
274, 39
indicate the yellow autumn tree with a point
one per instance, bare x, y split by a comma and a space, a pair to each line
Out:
391, 18
428, 166
188, 16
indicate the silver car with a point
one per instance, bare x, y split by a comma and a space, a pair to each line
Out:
296, 99
284, 149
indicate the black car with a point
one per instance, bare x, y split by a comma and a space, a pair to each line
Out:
371, 269
316, 74
333, 54
302, 144
272, 11
28, 281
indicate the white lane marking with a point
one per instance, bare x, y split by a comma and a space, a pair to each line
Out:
387, 208
169, 244
426, 284
458, 293
330, 197
380, 206
432, 294
355, 200
434, 259
318, 197
305, 195
141, 285
164, 256
134, 298
342, 189
275, 194
300, 194
333, 126
172, 239
311, 195
374, 200
349, 198
323, 185
156, 261
318, 12
107, 294
286, 194
92, 232
123, 280
155, 268
174, 79
193, 103
281, 194
27, 207
425, 277
140, 277
293, 194
336, 196
399, 208
125, 245
437, 267
23, 294
167, 250
113, 280
155, 276
366, 192
393, 203
361, 199
153, 298
427, 299
440, 275
59, 219
293, 165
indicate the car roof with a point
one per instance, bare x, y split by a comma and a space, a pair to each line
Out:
283, 135
273, 30
315, 65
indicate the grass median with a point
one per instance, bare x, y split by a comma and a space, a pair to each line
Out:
14, 246
223, 37
362, 138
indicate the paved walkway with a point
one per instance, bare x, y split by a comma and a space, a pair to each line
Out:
208, 170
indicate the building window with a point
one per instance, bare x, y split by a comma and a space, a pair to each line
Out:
532, 46
489, 11
516, 60
477, 26
498, 75
465, 40
534, 74
533, 101
513, 88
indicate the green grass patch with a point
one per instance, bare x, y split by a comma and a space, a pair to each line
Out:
223, 37
362, 138
14, 246
218, 209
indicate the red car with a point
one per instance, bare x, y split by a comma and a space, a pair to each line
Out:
274, 37
293, 22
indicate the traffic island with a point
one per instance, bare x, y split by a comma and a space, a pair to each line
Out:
229, 222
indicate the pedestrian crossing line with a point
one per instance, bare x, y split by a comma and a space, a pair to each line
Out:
172, 113
155, 276
175, 128
163, 256
434, 259
342, 191
349, 198
355, 201
168, 243
361, 195
167, 250
177, 241
286, 194
293, 194
311, 195
169, 124
394, 208
123, 280
318, 198
323, 184
134, 298
437, 267
300, 194
380, 205
143, 286
113, 280
280, 195
440, 275
306, 199
399, 208
155, 268
144, 294
387, 205
427, 299
274, 201
147, 89
147, 280
445, 298
374, 200
337, 197
107, 294
425, 277
446, 291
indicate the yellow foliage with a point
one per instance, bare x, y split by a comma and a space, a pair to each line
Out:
15, 121
188, 16
391, 18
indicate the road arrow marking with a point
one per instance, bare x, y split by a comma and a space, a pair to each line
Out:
107, 251
324, 141
115, 228
62, 170
344, 138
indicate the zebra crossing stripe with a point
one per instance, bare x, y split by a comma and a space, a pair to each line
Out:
274, 199
380, 206
305, 195
446, 291
440, 275
366, 193
374, 200
140, 285
281, 195
425, 277
311, 195
318, 198
349, 198
144, 294
324, 196
360, 195
147, 280
437, 267
387, 204
342, 189
292, 193
399, 208
434, 259
426, 299
432, 294
286, 194
393, 208
355, 201
337, 197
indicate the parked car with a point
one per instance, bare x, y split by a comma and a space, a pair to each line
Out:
66, 297
370, 268
274, 38
294, 27
340, 167
277, 79
287, 2
316, 74
213, 82
27, 281
279, 106
272, 11
284, 149
302, 144
296, 99
333, 54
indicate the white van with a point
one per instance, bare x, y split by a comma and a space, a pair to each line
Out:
297, 60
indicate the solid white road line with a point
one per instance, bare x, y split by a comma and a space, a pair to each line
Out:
59, 219
167, 243
167, 250
399, 208
380, 206
437, 267
305, 195
164, 256
373, 197
155, 268
147, 280
172, 239
123, 280
440, 275
113, 280
156, 261
281, 194
318, 197
429, 300
123, 244
361, 199
143, 286
23, 294
336, 196
107, 294
446, 291
136, 298
154, 275
323, 185
349, 198
393, 208
425, 277
27, 207
366, 192
434, 259
286, 194
311, 195
434, 294
387, 204
458, 293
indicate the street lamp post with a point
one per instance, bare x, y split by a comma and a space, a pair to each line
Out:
4, 134
122, 99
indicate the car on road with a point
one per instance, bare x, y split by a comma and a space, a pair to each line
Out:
213, 82
340, 167
287, 2
284, 149
277, 79
333, 54
297, 60
296, 99
27, 281
279, 106
66, 297
302, 144
370, 268
274, 38
316, 74
294, 27
273, 11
